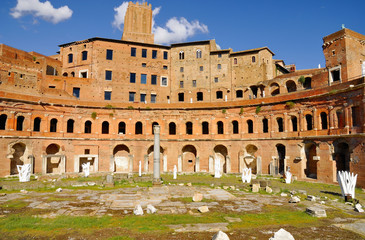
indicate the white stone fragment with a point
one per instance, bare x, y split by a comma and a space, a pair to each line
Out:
358, 208
86, 169
175, 172
151, 209
138, 210
288, 177
24, 172
198, 197
217, 168
59, 190
347, 182
246, 175
220, 236
282, 234
294, 199
203, 209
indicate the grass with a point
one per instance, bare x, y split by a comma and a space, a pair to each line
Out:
14, 204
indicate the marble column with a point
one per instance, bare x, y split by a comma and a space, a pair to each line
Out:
156, 155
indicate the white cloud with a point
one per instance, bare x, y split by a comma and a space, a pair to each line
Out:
43, 10
175, 30
119, 15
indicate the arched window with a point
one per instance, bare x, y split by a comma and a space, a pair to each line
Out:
294, 123
37, 124
205, 128
3, 118
181, 55
235, 128
291, 86
324, 122
70, 58
88, 125
307, 83
265, 125
19, 123
70, 125
249, 126
154, 124
105, 127
198, 53
253, 59
53, 126
189, 128
280, 122
121, 128
138, 128
220, 127
72, 74
275, 89
65, 74
172, 128
309, 120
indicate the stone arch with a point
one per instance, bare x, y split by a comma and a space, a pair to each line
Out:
221, 154
121, 154
105, 127
291, 86
18, 156
274, 89
310, 150
138, 128
249, 159
87, 126
342, 155
189, 156
149, 164
54, 159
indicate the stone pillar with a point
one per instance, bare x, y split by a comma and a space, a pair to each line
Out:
156, 155
258, 166
31, 161
111, 164
130, 158
197, 164
146, 163
179, 163
228, 164
165, 163
211, 165
315, 119
286, 124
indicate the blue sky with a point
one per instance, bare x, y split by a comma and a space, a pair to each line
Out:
293, 30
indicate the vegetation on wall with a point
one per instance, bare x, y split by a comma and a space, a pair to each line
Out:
289, 104
241, 111
301, 79
130, 107
258, 109
94, 115
224, 111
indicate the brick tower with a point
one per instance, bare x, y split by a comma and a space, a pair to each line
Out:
138, 23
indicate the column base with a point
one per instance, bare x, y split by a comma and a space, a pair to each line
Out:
157, 182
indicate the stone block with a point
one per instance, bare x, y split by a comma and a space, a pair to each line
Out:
282, 234
151, 209
220, 236
198, 197
264, 183
268, 189
316, 212
203, 209
255, 187
294, 199
138, 210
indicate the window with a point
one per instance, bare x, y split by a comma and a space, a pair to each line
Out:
83, 74
132, 78
70, 125
356, 116
163, 81
249, 126
154, 54
307, 83
144, 53
51, 86
324, 122
144, 65
181, 97
235, 61
131, 96
235, 127
219, 55
84, 55
87, 151
105, 128
239, 94
164, 67
181, 55
189, 128
109, 54
165, 55
19, 123
253, 59
181, 69
205, 128
220, 127
121, 128
143, 78
181, 84
198, 53
219, 66
280, 124
194, 83
37, 124
107, 95
309, 120
108, 75
53, 125
153, 98
87, 127
172, 128
153, 79
70, 58
216, 80
199, 96
294, 123
73, 74
335, 74
138, 128
219, 95
201, 68
265, 125
76, 92
143, 97
133, 52
3, 118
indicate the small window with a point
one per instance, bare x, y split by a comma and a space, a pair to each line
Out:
164, 67
198, 53
216, 80
83, 74
144, 65
107, 95
265, 125
163, 81
333, 52
219, 66
165, 55
131, 96
87, 126
172, 128
189, 128
235, 127
133, 52
70, 58
121, 128
144, 53
219, 55
132, 78
87, 151
21, 75
153, 98
201, 68
108, 75
235, 61
219, 95
253, 59
250, 126
143, 78
70, 126
51, 86
84, 55
220, 127
181, 55
19, 123
153, 79
53, 125
181, 97
335, 74
37, 124
205, 128
239, 94
280, 124
143, 97
356, 116
76, 92
194, 83
181, 69
181, 84
199, 96
109, 54
154, 54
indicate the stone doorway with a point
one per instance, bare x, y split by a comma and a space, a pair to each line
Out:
149, 162
221, 154
311, 160
54, 160
18, 155
189, 159
121, 163
281, 151
342, 157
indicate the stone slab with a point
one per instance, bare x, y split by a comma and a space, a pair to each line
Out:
200, 227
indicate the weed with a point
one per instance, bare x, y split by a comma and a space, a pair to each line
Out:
94, 115
258, 109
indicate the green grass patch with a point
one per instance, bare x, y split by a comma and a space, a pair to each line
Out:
14, 204
121, 238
